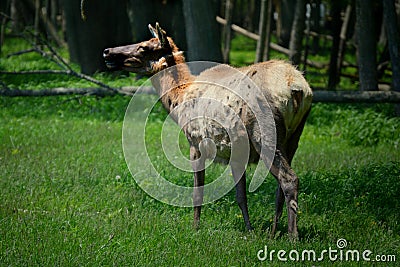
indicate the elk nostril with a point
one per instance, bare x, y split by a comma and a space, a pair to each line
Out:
106, 52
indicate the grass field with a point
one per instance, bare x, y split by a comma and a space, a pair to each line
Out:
63, 203
68, 199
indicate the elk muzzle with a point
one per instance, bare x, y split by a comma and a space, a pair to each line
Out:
124, 57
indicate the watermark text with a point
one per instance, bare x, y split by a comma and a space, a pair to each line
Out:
338, 253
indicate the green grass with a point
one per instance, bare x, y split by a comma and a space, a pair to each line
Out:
63, 203
67, 197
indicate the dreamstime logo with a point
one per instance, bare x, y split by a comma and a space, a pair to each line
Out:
341, 243
213, 114
340, 253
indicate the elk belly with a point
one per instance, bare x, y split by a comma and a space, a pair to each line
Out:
214, 127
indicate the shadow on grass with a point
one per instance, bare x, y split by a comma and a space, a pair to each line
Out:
354, 200
351, 202
374, 189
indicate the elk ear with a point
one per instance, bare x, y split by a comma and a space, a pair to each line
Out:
162, 36
153, 31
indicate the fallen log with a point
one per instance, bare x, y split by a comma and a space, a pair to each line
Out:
356, 96
320, 96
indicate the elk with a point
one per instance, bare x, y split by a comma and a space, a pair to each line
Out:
289, 97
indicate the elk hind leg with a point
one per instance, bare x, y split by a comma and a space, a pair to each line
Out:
291, 148
239, 174
289, 183
279, 201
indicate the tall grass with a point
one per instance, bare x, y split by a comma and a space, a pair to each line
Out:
68, 199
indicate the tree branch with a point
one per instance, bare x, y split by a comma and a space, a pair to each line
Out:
57, 59
28, 72
74, 91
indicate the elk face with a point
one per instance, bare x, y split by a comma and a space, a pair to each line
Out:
146, 57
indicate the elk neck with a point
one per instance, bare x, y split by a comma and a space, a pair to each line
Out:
173, 80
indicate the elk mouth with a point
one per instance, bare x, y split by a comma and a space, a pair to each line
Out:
111, 64
129, 64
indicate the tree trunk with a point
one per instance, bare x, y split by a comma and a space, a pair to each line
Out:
270, 18
333, 73
286, 10
54, 11
22, 15
297, 34
37, 14
393, 35
366, 40
392, 29
250, 16
228, 30
168, 13
202, 30
263, 30
106, 25
246, 13
340, 35
315, 23
5, 6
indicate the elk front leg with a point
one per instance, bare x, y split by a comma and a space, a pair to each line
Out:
239, 174
198, 165
289, 183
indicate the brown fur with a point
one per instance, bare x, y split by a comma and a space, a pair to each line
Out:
283, 86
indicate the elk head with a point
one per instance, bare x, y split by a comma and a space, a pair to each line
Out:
147, 57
